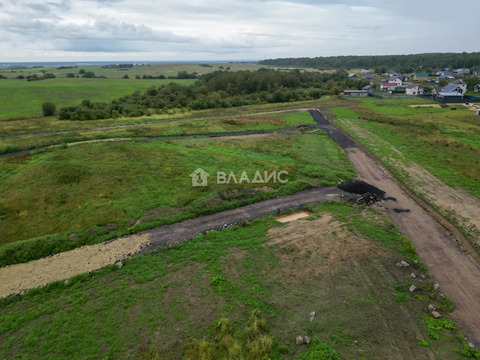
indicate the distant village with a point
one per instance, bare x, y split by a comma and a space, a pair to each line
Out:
444, 86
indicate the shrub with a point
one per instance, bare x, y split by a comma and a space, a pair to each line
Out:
48, 109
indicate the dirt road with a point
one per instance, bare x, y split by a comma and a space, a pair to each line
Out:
457, 274
17, 278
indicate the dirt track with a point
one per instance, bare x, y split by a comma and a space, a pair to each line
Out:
459, 277
457, 274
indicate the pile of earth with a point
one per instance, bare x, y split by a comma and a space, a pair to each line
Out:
369, 194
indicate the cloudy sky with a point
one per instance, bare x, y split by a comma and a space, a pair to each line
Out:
169, 30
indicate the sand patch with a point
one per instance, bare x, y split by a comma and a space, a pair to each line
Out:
436, 106
312, 248
20, 277
292, 217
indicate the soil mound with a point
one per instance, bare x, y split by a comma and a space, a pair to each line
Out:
360, 187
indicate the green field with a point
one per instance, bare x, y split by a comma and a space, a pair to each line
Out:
21, 98
181, 298
90, 185
445, 142
158, 127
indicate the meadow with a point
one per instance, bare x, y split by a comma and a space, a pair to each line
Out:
79, 188
445, 142
21, 98
178, 300
159, 126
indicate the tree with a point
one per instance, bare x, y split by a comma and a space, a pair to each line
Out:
81, 71
89, 74
126, 76
48, 108
70, 75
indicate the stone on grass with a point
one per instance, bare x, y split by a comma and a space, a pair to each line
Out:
404, 263
432, 307
299, 340
73, 237
306, 340
119, 264
398, 265
413, 276
311, 316
436, 286
436, 314
412, 288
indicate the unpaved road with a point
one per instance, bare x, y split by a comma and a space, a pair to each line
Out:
17, 278
457, 274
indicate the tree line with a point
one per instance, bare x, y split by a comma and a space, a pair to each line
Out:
219, 89
388, 62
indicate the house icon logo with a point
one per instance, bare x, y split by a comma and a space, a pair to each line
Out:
199, 177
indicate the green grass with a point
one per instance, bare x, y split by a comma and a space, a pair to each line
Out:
89, 185
21, 98
185, 126
444, 142
156, 302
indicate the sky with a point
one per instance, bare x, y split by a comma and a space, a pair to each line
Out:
230, 30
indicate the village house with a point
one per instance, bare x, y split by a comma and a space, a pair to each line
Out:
352, 76
365, 71
422, 76
388, 86
397, 81
414, 89
369, 88
477, 88
368, 76
454, 96
461, 71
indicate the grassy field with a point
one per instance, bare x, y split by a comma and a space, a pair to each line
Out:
186, 126
90, 185
341, 265
445, 142
21, 98
152, 70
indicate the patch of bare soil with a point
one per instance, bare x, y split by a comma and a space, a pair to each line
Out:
459, 204
16, 278
292, 217
437, 106
318, 245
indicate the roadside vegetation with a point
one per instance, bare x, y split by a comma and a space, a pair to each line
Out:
80, 189
245, 291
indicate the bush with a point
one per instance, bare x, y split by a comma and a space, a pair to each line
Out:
48, 109
318, 350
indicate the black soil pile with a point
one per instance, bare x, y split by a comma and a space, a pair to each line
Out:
360, 187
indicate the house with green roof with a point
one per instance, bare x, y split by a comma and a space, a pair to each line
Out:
420, 76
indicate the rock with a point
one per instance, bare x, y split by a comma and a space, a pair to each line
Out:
130, 223
436, 314
404, 263
111, 227
471, 345
412, 288
423, 276
138, 222
436, 286
432, 307
413, 276
299, 340
66, 282
306, 340
416, 262
73, 237
119, 264
311, 316
398, 265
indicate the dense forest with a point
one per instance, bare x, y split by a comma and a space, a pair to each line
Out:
219, 89
402, 63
